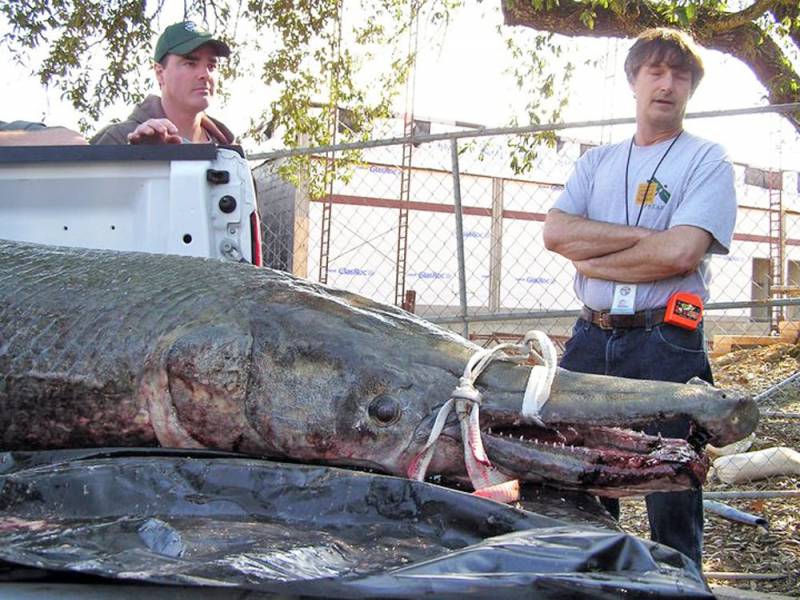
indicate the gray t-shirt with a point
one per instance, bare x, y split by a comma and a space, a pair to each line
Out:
694, 185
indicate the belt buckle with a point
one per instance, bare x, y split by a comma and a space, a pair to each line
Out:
605, 321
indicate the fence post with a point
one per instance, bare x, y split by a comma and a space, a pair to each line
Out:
462, 276
496, 245
301, 228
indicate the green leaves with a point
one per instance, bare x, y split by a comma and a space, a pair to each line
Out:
543, 74
74, 33
311, 53
588, 17
685, 15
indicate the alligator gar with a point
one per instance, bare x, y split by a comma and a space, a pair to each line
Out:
102, 348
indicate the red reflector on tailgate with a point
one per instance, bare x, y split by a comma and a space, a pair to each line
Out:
255, 239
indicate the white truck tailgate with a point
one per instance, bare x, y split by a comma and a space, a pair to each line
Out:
195, 200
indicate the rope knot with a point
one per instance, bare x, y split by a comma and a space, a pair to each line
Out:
466, 391
483, 475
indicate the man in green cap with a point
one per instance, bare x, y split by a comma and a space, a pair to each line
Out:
186, 68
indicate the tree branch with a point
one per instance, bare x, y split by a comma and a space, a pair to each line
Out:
729, 21
565, 18
731, 33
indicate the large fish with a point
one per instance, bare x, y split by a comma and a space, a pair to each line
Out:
99, 348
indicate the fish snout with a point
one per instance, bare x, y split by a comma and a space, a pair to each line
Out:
721, 416
741, 420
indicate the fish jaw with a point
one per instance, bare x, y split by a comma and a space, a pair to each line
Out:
589, 440
604, 461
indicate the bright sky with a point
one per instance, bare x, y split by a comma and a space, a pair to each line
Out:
467, 80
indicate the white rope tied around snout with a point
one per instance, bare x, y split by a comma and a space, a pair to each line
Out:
537, 392
466, 400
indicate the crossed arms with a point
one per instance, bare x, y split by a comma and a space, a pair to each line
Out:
623, 253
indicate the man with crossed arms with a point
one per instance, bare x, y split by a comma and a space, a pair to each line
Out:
639, 220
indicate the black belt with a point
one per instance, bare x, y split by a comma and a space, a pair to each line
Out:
605, 320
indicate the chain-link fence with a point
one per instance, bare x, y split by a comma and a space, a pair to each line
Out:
511, 282
444, 227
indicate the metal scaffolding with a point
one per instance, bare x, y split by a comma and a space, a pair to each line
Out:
777, 246
330, 156
405, 173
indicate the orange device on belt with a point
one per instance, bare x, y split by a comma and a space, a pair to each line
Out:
684, 310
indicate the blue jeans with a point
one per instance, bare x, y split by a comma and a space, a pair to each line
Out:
664, 353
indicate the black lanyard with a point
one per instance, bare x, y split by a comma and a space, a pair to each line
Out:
649, 181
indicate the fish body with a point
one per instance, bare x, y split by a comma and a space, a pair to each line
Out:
102, 348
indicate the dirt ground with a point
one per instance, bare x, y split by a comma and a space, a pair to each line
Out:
753, 558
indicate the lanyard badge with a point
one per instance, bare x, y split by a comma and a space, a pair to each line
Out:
624, 301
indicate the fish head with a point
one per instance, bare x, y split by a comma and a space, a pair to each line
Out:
592, 436
350, 382
344, 381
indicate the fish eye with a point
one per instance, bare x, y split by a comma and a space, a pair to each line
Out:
384, 409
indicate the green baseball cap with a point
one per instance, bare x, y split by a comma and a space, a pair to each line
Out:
185, 37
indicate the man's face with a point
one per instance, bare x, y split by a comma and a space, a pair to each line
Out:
662, 92
189, 81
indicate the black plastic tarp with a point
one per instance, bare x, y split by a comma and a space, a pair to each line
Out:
221, 520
